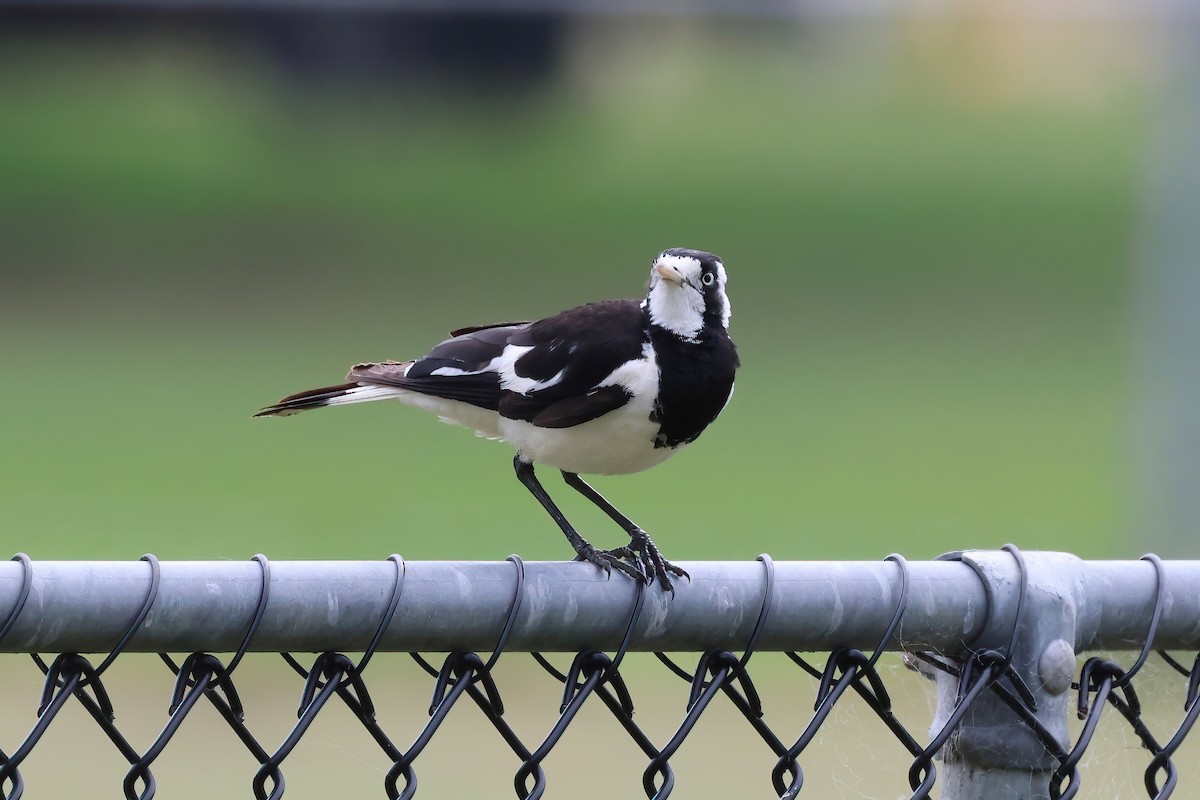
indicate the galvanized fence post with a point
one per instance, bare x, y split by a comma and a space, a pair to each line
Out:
993, 754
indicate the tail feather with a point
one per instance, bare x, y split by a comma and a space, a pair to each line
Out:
390, 373
341, 394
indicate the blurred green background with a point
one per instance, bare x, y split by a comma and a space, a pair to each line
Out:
929, 272
930, 224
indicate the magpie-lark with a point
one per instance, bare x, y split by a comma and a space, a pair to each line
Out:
608, 388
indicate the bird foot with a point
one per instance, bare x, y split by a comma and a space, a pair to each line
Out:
642, 550
606, 560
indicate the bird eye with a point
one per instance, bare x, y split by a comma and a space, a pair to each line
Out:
707, 279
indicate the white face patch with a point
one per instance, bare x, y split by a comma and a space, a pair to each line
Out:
687, 266
678, 307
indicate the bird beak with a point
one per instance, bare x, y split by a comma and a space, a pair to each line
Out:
669, 273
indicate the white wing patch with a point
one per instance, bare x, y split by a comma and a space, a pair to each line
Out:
504, 365
638, 376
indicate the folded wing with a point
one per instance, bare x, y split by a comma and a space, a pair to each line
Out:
551, 373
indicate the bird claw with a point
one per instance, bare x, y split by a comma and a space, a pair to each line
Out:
640, 560
642, 551
607, 559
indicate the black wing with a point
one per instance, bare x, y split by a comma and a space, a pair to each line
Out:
457, 369
501, 367
574, 352
477, 328
578, 409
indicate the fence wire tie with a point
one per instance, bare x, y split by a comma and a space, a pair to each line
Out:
725, 669
1097, 670
201, 674
72, 674
1113, 685
22, 594
93, 675
468, 666
1160, 600
610, 688
1002, 660
994, 669
207, 667
854, 666
589, 670
332, 673
713, 661
991, 668
994, 665
331, 663
738, 676
8, 770
354, 676
977, 671
460, 672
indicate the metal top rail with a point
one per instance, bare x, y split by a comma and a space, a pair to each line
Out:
953, 605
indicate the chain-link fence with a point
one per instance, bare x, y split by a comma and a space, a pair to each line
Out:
997, 631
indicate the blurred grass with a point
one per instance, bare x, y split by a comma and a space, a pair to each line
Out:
930, 299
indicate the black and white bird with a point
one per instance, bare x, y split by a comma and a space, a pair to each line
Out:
607, 388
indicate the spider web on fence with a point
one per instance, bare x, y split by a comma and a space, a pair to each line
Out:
787, 741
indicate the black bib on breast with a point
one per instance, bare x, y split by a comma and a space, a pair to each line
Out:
695, 380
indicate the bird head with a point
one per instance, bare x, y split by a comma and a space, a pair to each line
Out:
687, 292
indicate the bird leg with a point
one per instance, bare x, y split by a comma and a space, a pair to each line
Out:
584, 551
640, 548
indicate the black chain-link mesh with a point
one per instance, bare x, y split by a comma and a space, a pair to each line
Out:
592, 673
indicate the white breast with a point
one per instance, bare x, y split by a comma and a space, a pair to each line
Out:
618, 443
